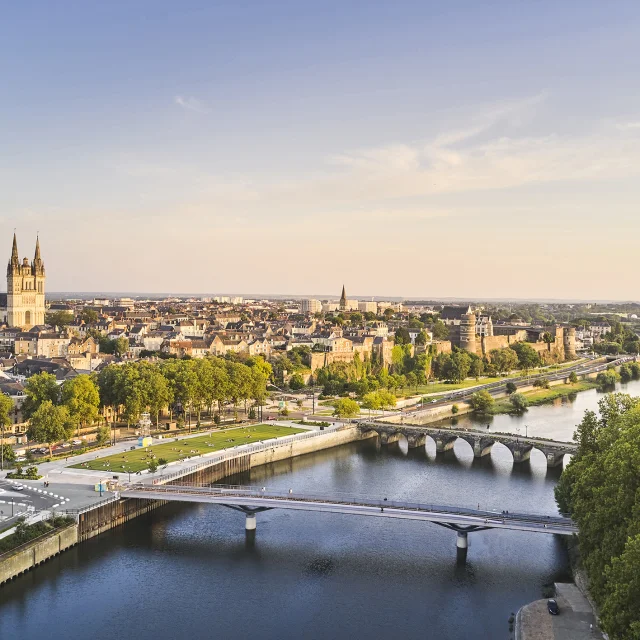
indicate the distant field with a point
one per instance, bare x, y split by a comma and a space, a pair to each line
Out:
173, 450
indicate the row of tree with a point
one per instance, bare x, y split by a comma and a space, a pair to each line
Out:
600, 488
128, 390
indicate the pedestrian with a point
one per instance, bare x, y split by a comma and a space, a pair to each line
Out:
478, 505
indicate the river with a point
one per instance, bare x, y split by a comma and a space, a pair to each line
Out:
187, 571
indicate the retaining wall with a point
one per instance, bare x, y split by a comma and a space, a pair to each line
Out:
30, 555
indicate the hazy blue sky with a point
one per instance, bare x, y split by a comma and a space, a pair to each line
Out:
404, 148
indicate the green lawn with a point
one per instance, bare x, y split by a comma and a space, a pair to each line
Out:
173, 450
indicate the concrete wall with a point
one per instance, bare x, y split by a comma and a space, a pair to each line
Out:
13, 563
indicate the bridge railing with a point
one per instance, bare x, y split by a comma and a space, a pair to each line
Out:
238, 491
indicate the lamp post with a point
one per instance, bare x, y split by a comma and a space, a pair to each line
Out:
2, 449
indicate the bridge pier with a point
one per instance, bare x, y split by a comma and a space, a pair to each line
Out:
482, 447
521, 452
462, 547
415, 441
250, 522
554, 459
389, 438
444, 443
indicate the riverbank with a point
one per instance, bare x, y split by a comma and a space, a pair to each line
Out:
576, 620
544, 396
286, 442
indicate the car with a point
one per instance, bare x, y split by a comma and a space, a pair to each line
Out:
76, 442
552, 607
19, 487
21, 459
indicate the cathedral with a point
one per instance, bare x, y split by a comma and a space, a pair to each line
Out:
25, 305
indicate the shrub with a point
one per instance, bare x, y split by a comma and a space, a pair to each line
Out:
625, 373
162, 462
481, 401
543, 383
455, 408
216, 418
511, 387
518, 402
573, 377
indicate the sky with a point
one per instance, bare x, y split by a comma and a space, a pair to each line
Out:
407, 148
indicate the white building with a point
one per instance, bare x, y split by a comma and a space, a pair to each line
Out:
311, 306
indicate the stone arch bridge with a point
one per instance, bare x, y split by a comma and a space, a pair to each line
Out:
481, 442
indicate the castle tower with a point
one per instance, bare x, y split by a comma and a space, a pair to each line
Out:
468, 332
25, 289
343, 300
569, 340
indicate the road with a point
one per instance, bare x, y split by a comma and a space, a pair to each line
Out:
15, 503
496, 388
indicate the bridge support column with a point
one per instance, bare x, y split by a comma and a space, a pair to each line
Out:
554, 459
462, 547
444, 444
250, 522
521, 452
415, 441
482, 447
388, 438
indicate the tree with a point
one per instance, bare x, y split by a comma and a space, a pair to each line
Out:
346, 408
152, 465
59, 318
121, 346
440, 330
481, 401
573, 377
458, 366
607, 379
296, 382
476, 367
519, 402
625, 373
80, 396
6, 406
511, 387
402, 336
528, 357
372, 401
421, 338
103, 435
89, 316
504, 360
600, 488
620, 612
49, 424
41, 387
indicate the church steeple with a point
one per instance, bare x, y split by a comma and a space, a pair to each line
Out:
38, 265
14, 263
343, 299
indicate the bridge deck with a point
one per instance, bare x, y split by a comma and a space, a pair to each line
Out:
353, 505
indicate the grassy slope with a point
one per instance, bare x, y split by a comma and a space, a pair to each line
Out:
171, 451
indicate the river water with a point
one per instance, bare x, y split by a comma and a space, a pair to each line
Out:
188, 571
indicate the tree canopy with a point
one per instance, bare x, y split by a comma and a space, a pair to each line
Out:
600, 488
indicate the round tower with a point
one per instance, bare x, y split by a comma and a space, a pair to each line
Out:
468, 332
569, 341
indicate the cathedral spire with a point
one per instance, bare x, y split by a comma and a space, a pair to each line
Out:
37, 256
14, 250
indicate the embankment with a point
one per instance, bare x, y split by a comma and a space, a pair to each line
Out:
112, 512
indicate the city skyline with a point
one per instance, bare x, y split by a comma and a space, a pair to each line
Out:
464, 153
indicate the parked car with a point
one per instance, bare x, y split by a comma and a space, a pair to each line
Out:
552, 607
21, 459
76, 442
18, 487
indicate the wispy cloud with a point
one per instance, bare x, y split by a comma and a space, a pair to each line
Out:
191, 104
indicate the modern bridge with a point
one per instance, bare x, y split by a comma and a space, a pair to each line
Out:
481, 441
252, 500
